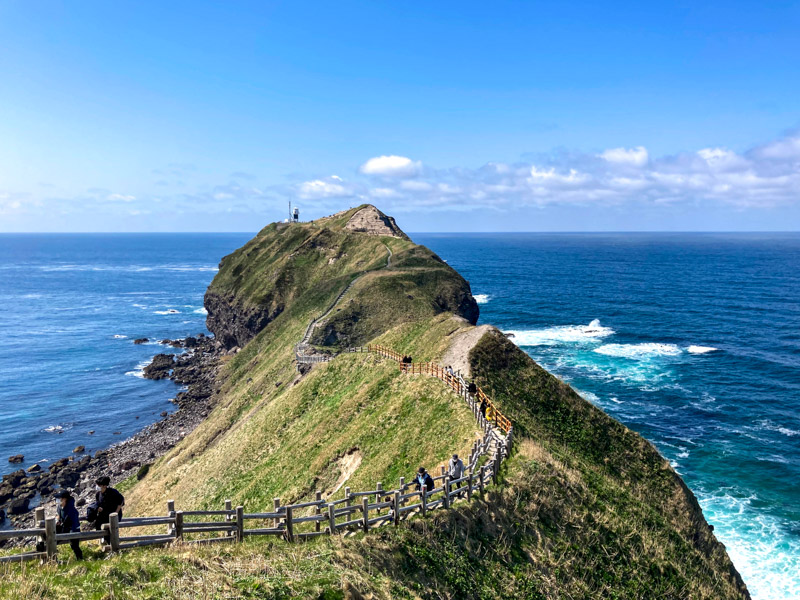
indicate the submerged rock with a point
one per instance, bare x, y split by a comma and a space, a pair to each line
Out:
17, 458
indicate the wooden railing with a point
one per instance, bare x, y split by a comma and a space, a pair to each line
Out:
356, 511
485, 406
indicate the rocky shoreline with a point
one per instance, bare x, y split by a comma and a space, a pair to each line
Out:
196, 369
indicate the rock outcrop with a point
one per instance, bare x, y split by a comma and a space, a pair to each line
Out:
371, 221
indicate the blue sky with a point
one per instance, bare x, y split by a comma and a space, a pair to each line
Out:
453, 116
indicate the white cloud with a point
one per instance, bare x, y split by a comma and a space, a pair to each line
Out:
767, 175
392, 165
330, 187
635, 156
120, 198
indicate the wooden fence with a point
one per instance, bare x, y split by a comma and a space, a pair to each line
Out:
480, 403
356, 511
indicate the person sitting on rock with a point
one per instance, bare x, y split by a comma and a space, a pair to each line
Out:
424, 481
68, 520
108, 500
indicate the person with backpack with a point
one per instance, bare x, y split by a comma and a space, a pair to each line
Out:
68, 520
424, 481
107, 501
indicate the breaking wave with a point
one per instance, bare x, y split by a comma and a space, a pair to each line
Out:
482, 298
700, 349
562, 334
638, 351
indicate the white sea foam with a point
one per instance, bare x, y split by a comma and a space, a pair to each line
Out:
561, 334
200, 311
142, 306
170, 311
770, 426
139, 372
764, 552
118, 336
482, 298
700, 349
638, 351
57, 428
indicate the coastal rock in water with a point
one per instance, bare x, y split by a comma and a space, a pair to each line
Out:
160, 367
190, 342
15, 479
141, 340
79, 449
19, 506
17, 458
6, 492
34, 468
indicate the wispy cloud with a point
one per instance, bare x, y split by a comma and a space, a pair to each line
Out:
763, 176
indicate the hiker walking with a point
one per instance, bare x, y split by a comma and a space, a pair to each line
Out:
484, 406
424, 481
107, 501
68, 520
455, 469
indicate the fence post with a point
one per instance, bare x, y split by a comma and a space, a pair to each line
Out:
229, 518
318, 498
179, 525
113, 531
347, 498
38, 522
289, 524
364, 505
170, 513
469, 486
51, 545
481, 477
496, 469
276, 503
446, 487
443, 471
403, 489
424, 501
239, 523
396, 509
332, 518
378, 494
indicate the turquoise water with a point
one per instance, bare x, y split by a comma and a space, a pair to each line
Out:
693, 340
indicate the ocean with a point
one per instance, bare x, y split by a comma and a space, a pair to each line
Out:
693, 340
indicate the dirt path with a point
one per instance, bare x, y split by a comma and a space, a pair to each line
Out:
302, 348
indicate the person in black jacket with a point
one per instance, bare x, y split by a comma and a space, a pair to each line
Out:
424, 480
68, 520
108, 500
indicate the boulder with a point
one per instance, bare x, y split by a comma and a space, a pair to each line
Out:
128, 465
17, 458
6, 492
59, 464
79, 449
80, 502
160, 367
15, 478
19, 506
67, 478
35, 468
141, 340
190, 342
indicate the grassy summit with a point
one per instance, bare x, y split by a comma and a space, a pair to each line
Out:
587, 509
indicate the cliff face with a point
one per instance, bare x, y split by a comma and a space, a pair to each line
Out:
299, 264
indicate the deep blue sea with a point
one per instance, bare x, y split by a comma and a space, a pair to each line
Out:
693, 340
